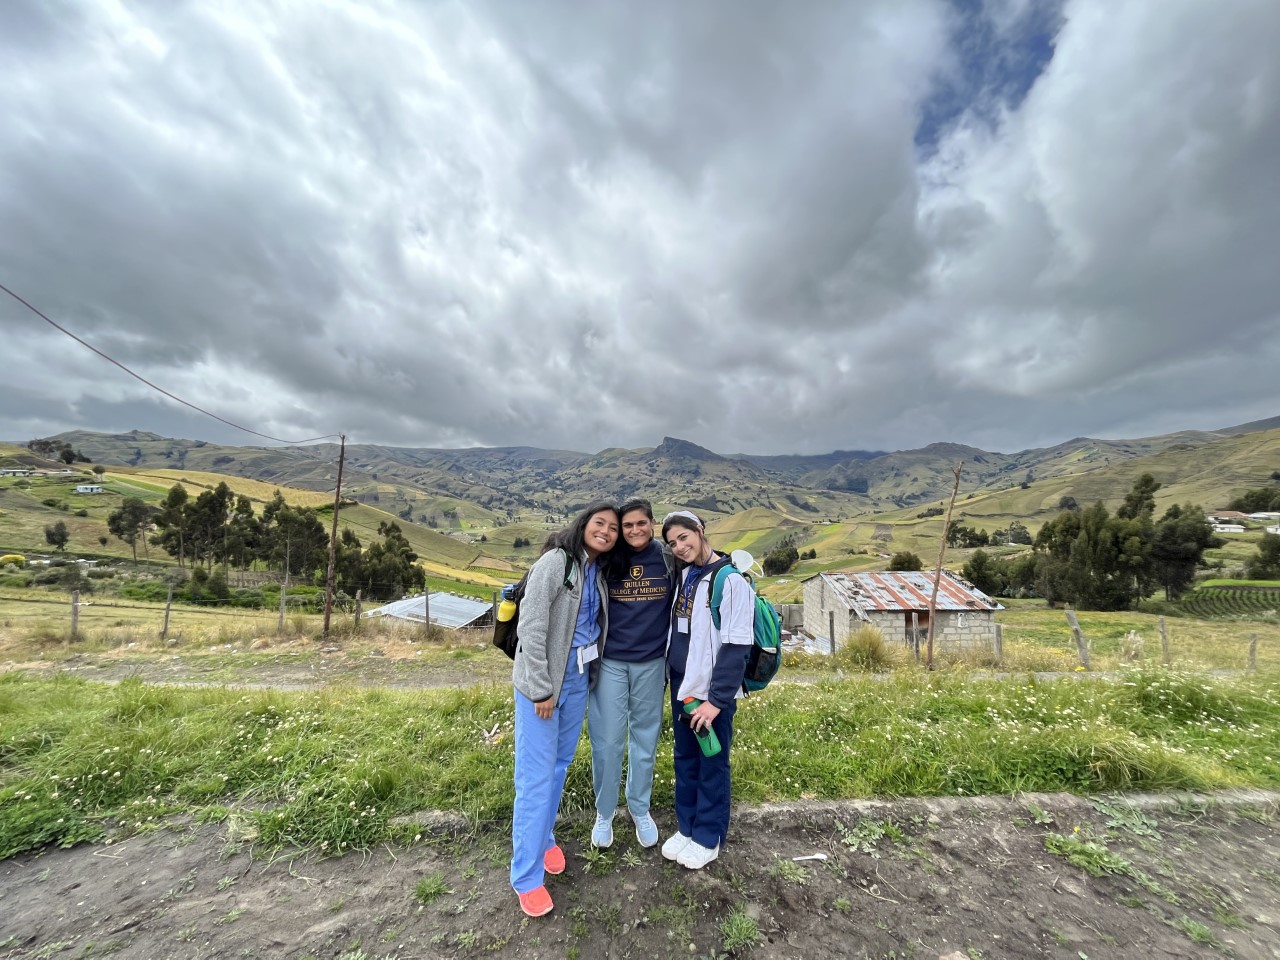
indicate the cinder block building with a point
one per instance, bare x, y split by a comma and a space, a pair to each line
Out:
837, 604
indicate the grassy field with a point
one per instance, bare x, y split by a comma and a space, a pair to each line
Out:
1036, 637
329, 770
258, 491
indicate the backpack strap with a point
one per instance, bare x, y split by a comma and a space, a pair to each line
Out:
719, 573
568, 569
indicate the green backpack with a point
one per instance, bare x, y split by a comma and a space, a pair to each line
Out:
766, 647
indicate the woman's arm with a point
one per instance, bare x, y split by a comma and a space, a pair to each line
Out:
546, 577
737, 633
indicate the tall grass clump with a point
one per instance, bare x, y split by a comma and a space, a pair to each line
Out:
865, 649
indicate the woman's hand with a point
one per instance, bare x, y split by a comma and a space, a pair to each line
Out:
545, 708
701, 718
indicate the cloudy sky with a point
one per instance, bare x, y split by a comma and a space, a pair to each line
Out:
762, 226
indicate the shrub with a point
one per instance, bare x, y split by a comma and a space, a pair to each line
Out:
865, 649
82, 512
17, 559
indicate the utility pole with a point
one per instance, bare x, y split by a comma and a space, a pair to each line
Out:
333, 537
937, 573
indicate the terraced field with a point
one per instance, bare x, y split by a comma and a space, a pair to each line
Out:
1244, 600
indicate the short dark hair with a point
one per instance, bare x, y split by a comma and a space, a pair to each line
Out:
636, 503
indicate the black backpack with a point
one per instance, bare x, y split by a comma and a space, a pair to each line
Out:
505, 636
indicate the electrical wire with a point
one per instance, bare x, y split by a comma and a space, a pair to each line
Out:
158, 389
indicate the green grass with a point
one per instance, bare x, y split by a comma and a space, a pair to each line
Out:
328, 770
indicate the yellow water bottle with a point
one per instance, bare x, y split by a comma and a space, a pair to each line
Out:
506, 610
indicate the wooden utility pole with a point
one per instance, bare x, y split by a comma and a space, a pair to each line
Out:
284, 587
937, 572
168, 606
333, 536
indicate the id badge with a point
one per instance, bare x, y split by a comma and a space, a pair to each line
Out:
586, 655
682, 625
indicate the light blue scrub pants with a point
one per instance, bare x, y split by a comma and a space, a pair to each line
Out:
544, 750
625, 707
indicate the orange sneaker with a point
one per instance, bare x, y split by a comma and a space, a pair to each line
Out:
553, 860
536, 903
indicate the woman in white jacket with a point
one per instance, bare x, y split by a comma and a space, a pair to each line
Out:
706, 667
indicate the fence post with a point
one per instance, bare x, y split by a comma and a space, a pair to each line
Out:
1253, 653
1164, 643
915, 634
168, 605
359, 607
75, 616
1082, 643
426, 611
999, 642
284, 588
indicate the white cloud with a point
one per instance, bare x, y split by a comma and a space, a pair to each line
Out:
563, 225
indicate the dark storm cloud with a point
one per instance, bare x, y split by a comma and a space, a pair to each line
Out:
566, 225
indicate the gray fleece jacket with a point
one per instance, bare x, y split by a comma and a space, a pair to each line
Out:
548, 615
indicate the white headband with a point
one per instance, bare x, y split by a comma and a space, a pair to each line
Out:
682, 513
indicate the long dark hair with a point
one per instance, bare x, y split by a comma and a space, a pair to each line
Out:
572, 539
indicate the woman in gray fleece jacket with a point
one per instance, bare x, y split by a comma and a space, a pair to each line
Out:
564, 616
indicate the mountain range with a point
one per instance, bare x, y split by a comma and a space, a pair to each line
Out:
488, 483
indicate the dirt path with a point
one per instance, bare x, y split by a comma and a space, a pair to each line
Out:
1192, 877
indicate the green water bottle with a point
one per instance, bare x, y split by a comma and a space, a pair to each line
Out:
707, 739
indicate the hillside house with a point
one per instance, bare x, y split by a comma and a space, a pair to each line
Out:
1227, 516
1275, 529
89, 488
14, 472
1227, 528
837, 604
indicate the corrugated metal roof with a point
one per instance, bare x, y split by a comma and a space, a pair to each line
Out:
907, 590
447, 610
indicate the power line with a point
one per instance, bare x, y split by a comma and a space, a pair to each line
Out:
143, 379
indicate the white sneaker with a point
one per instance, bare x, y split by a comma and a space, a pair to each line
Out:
695, 856
602, 832
675, 846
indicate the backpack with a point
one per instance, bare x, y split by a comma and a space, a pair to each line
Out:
766, 648
505, 627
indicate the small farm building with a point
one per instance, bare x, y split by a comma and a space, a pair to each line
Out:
447, 610
89, 488
1226, 516
836, 604
14, 472
1227, 528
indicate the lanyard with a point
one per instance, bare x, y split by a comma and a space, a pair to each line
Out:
690, 589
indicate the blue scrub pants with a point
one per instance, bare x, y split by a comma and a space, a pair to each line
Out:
544, 750
702, 783
625, 707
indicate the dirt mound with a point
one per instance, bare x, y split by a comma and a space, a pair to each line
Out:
1178, 876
